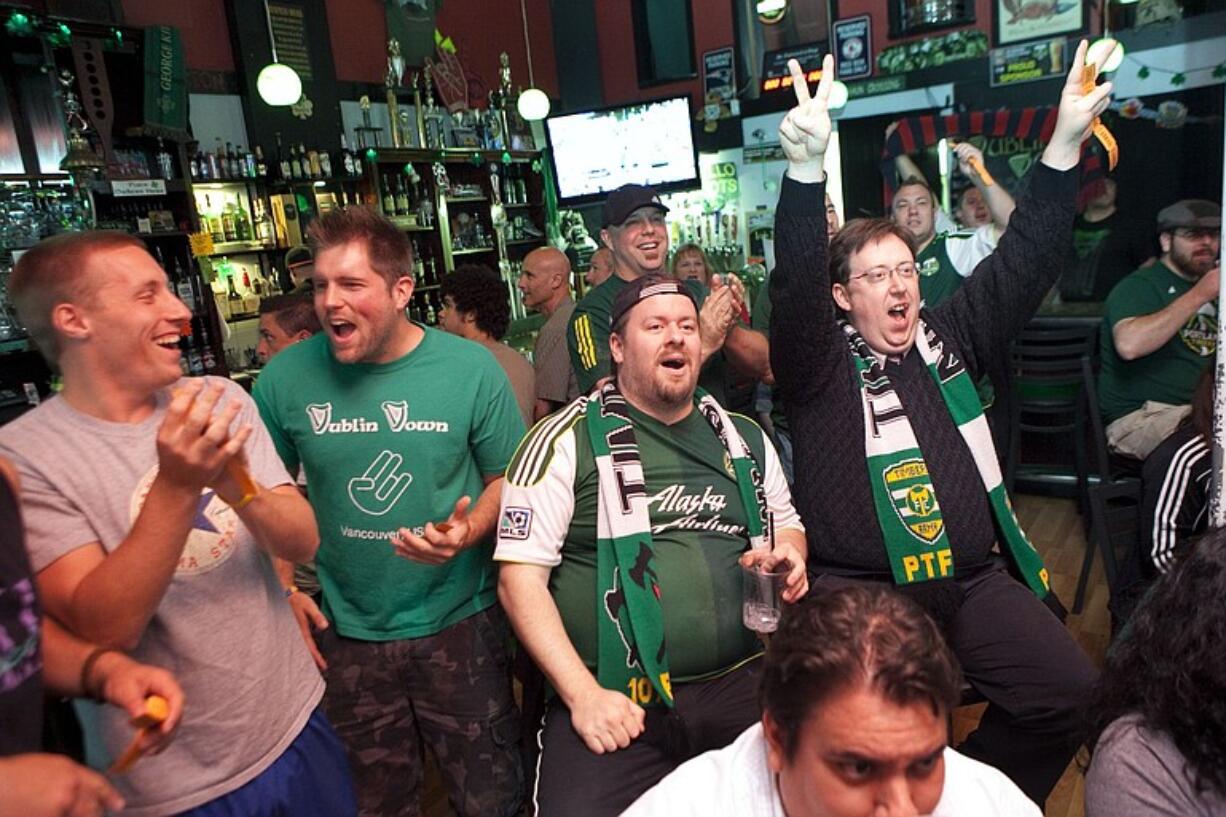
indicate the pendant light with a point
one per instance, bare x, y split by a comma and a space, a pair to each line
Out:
277, 83
533, 103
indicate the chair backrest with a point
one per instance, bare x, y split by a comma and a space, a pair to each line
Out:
1115, 514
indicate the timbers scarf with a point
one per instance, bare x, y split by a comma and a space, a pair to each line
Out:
632, 655
906, 503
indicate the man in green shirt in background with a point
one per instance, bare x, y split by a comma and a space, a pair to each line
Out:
635, 232
1160, 331
405, 475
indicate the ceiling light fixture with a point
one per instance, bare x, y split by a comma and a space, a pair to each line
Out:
277, 83
533, 103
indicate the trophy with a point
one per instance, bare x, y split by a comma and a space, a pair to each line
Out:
367, 129
395, 70
435, 130
417, 109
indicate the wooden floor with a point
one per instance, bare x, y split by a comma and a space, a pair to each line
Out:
1056, 530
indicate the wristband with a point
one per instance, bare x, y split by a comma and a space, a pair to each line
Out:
87, 667
291, 590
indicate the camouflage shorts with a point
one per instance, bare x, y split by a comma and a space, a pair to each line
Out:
450, 691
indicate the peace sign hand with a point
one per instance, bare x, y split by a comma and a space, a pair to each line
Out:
805, 132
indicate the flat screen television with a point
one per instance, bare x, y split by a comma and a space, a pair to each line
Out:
597, 151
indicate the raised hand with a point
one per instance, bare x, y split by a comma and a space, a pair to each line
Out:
1076, 116
805, 132
194, 441
968, 155
437, 543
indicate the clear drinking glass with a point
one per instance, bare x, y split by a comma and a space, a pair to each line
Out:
762, 603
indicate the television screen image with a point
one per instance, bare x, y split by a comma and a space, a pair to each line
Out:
644, 143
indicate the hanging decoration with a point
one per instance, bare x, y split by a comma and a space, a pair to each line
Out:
1180, 77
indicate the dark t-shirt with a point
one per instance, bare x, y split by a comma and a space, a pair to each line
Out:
1103, 253
21, 664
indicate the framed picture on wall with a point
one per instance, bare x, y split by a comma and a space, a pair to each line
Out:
1016, 21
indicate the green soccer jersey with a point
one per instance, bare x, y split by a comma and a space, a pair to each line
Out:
938, 277
386, 446
1169, 373
698, 527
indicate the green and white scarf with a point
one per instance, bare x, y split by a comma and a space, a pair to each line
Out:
908, 510
632, 654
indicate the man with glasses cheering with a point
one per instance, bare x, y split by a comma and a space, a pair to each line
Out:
896, 476
1160, 331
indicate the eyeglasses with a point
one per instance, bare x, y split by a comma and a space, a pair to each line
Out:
876, 275
1196, 233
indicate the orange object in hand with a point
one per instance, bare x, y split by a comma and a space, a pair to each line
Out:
157, 709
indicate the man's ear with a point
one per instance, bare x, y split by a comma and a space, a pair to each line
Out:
302, 335
617, 349
606, 238
69, 320
775, 756
1165, 241
840, 297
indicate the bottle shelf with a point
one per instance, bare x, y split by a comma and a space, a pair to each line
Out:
409, 225
517, 242
236, 247
466, 199
522, 205
477, 251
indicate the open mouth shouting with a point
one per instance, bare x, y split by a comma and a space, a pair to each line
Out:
170, 342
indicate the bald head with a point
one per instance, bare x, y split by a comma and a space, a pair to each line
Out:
545, 279
600, 267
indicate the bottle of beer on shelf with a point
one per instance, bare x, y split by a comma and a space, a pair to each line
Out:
248, 162
310, 162
402, 198
236, 300
431, 272
217, 162
205, 344
325, 164
295, 163
389, 198
283, 163
261, 166
347, 158
212, 221
183, 285
242, 223
228, 227
419, 269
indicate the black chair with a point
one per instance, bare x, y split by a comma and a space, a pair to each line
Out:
1115, 509
1047, 398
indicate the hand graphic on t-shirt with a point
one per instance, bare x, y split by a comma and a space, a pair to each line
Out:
378, 490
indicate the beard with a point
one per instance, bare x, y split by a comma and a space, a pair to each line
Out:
647, 385
1193, 264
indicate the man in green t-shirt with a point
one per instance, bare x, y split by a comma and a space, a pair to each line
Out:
637, 237
945, 259
1160, 331
627, 709
404, 459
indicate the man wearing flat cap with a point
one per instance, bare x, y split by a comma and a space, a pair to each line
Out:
624, 516
1160, 331
634, 230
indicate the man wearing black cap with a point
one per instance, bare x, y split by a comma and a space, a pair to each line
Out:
624, 516
1160, 331
635, 233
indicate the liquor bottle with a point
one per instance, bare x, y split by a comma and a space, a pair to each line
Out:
431, 272
198, 168
402, 198
166, 168
228, 227
425, 211
295, 163
214, 168
347, 158
389, 199
236, 171
283, 163
431, 318
261, 166
212, 220
310, 164
206, 347
325, 164
183, 286
235, 300
261, 223
419, 269
242, 223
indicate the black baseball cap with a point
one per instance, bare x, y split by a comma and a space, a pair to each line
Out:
641, 289
625, 200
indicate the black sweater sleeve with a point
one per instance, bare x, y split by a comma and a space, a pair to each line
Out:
802, 316
1002, 295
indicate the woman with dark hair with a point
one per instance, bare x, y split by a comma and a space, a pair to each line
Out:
1158, 730
1175, 485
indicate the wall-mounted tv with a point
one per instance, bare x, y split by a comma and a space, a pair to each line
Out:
644, 143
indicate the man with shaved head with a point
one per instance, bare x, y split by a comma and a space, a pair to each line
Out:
599, 268
545, 285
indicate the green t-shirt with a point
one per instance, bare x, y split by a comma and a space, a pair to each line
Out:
549, 512
587, 339
939, 277
1169, 373
386, 446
